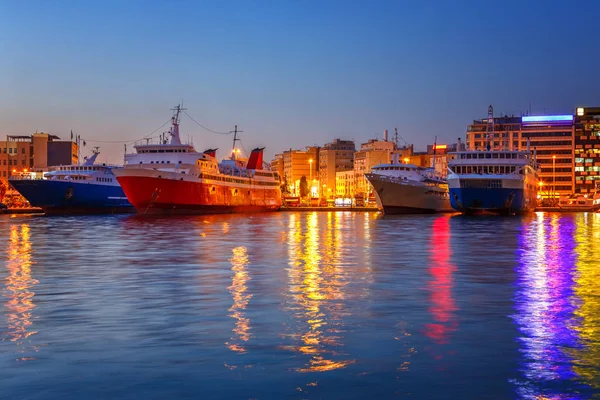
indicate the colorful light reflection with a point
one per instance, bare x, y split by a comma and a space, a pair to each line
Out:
544, 305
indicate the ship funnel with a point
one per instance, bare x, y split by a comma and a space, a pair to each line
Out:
385, 135
459, 145
256, 159
211, 152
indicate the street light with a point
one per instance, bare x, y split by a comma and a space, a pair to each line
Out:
406, 160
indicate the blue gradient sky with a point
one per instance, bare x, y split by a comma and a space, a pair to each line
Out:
290, 73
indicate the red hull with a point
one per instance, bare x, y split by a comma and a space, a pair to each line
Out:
151, 195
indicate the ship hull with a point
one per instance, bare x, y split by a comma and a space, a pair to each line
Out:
510, 198
165, 195
407, 198
68, 197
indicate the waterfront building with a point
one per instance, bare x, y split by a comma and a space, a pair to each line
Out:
371, 153
505, 135
587, 149
552, 138
344, 184
550, 135
299, 163
277, 164
34, 152
334, 157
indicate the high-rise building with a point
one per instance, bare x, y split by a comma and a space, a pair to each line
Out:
550, 135
587, 149
552, 138
334, 157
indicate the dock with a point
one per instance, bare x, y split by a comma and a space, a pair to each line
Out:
22, 210
566, 209
333, 209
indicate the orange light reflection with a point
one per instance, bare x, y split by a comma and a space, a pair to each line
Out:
315, 286
238, 289
19, 291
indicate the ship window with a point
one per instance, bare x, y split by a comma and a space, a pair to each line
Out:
168, 162
495, 155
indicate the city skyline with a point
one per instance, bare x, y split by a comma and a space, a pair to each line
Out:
288, 74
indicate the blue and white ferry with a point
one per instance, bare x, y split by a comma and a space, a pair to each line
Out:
493, 181
85, 188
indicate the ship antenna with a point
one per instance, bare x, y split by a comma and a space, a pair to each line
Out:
434, 150
235, 139
490, 122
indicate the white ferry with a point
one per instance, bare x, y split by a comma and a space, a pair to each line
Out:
408, 189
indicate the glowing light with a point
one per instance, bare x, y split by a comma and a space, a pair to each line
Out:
406, 160
441, 146
580, 111
547, 118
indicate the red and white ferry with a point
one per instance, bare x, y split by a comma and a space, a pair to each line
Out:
173, 178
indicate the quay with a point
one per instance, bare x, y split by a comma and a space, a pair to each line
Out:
22, 210
357, 209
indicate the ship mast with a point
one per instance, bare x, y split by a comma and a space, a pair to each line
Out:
235, 139
175, 139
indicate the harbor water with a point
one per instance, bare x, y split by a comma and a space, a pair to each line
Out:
300, 305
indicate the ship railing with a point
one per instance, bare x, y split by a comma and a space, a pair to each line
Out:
394, 179
27, 176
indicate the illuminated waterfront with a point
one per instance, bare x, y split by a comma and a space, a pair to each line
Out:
300, 305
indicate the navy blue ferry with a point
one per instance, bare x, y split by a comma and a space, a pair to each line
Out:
85, 188
493, 181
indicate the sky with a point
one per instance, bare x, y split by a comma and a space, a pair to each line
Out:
289, 73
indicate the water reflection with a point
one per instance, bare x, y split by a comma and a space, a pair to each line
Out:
316, 288
19, 291
241, 297
544, 304
587, 290
442, 306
